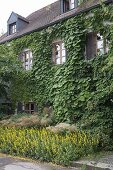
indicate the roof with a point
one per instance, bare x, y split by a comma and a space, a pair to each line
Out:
19, 16
22, 18
48, 16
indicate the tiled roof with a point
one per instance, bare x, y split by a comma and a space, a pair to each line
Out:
36, 20
49, 15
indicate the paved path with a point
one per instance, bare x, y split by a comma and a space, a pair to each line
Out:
107, 159
103, 163
9, 163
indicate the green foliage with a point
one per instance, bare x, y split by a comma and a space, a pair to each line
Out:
13, 78
78, 88
10, 72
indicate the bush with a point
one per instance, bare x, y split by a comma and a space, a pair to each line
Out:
100, 122
26, 120
45, 145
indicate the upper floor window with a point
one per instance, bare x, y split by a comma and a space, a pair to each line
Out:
96, 44
59, 52
68, 5
102, 44
72, 4
12, 28
27, 59
16, 23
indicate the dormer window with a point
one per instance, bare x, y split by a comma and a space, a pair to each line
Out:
68, 5
16, 23
12, 28
71, 4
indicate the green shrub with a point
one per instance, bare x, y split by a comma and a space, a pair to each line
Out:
100, 121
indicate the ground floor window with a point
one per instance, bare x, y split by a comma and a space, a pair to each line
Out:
29, 107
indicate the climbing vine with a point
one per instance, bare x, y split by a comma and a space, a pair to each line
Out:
79, 89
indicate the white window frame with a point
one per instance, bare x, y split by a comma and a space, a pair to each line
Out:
27, 58
71, 4
59, 55
68, 5
102, 45
12, 28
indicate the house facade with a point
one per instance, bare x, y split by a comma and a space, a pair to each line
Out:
58, 46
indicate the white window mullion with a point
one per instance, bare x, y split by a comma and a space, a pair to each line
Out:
59, 53
27, 59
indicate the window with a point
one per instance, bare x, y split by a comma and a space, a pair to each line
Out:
72, 4
59, 53
91, 45
68, 5
102, 44
29, 108
27, 59
96, 44
12, 28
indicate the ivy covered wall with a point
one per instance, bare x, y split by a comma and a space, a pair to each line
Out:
79, 89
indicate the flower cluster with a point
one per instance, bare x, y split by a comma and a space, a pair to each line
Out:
45, 145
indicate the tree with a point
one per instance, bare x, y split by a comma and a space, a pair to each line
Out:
10, 72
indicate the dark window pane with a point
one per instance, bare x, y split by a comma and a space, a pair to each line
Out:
27, 107
91, 45
32, 106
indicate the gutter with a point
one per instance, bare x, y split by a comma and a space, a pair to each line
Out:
56, 22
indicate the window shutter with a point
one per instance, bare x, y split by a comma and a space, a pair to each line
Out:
91, 45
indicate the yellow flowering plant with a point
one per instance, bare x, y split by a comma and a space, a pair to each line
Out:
45, 145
